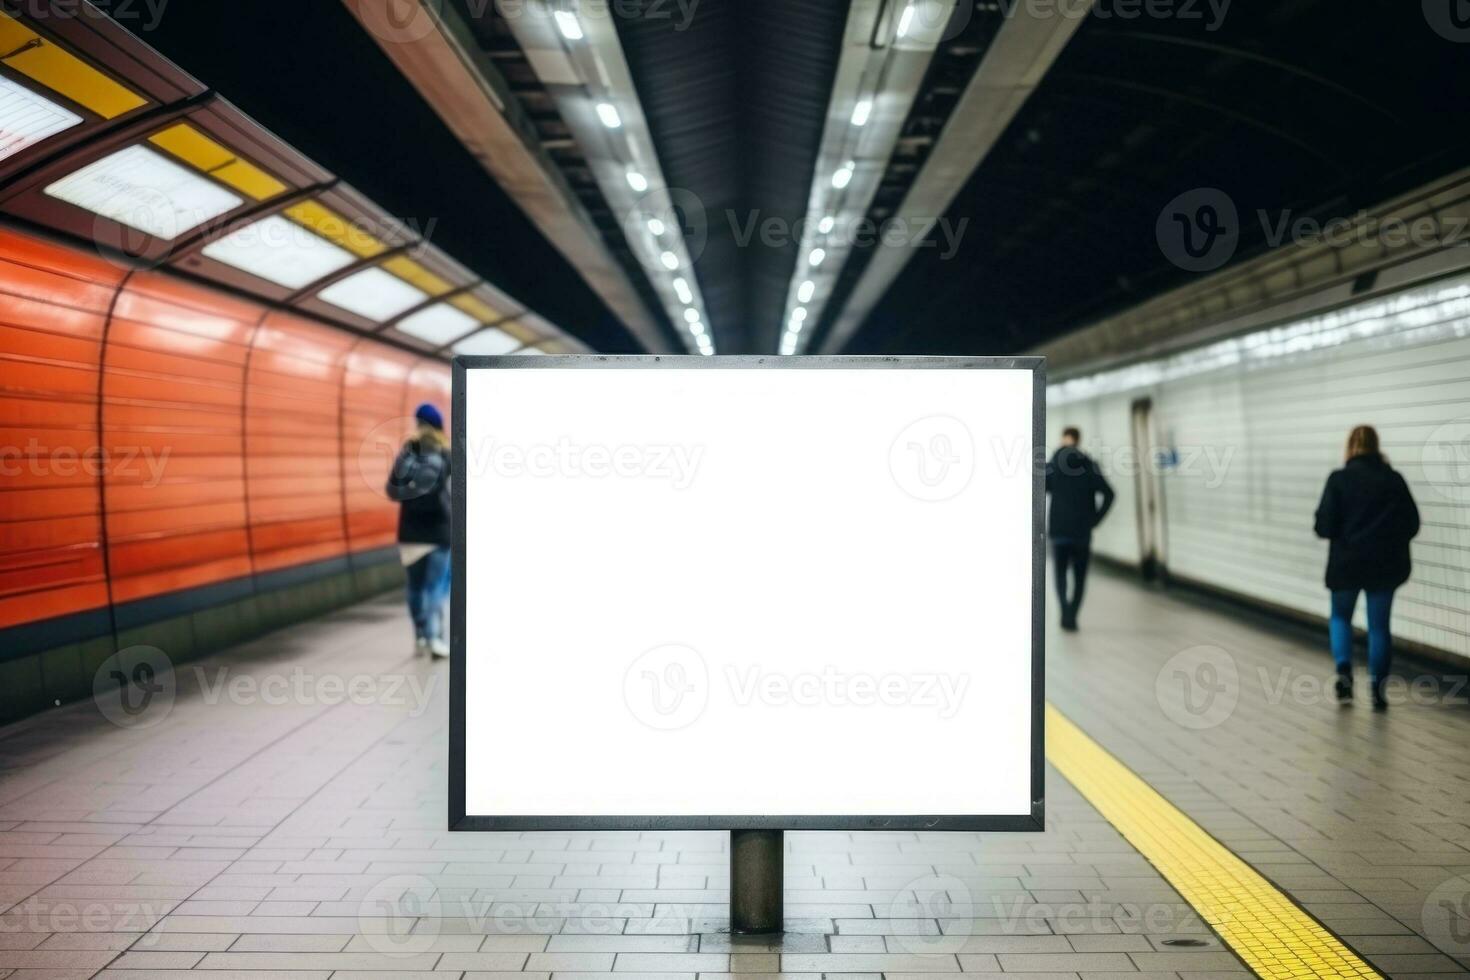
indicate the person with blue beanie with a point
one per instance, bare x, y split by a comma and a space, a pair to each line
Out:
419, 482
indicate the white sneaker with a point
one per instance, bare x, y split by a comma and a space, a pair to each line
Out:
421, 647
438, 648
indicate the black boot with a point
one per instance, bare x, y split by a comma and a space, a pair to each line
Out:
1380, 701
1344, 688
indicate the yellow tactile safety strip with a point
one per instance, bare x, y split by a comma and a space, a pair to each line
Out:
59, 70
1266, 929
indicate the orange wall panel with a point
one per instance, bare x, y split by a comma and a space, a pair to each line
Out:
375, 424
173, 396
53, 313
293, 442
178, 437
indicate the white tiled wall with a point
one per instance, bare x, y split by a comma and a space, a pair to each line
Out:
1259, 421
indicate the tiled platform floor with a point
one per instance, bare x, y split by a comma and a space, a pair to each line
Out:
284, 818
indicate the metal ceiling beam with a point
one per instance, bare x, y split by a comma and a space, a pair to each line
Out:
883, 72
580, 75
436, 52
1019, 57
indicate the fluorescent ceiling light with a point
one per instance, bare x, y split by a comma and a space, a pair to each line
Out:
697, 329
439, 324
145, 190
691, 315
861, 112
806, 291
798, 315
374, 294
637, 181
681, 286
670, 261
707, 351
280, 251
843, 177
27, 118
531, 352
818, 256
656, 227
489, 342
571, 28
906, 22
826, 225
608, 113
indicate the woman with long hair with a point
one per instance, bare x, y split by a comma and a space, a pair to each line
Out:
1369, 516
420, 483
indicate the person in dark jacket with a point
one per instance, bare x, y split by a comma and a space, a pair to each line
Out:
1370, 517
420, 483
1075, 484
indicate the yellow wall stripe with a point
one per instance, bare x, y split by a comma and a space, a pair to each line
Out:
477, 308
59, 70
1265, 928
335, 228
192, 146
249, 179
520, 332
203, 153
411, 272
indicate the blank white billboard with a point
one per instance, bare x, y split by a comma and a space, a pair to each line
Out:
738, 593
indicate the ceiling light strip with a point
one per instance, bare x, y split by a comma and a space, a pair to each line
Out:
872, 93
579, 58
148, 190
28, 118
1011, 68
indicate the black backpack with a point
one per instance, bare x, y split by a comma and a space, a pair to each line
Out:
417, 476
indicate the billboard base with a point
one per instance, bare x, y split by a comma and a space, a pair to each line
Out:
757, 870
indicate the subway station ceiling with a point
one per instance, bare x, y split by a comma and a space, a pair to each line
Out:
658, 175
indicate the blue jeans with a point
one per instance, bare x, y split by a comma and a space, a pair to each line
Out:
428, 589
1380, 641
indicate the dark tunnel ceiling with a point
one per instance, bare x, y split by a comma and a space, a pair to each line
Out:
311, 74
736, 100
1315, 106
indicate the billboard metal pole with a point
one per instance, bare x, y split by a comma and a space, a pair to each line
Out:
757, 872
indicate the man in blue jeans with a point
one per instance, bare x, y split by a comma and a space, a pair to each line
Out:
1075, 484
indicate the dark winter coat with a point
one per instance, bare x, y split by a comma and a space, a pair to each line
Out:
420, 483
1369, 516
1075, 483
